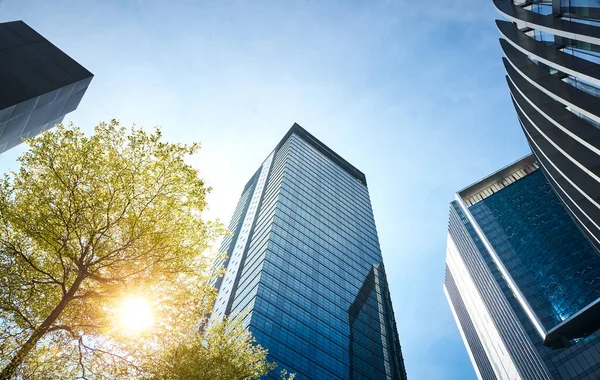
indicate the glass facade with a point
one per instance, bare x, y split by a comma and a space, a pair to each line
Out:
308, 267
545, 270
371, 325
551, 262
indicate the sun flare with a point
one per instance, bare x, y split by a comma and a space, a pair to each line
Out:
135, 314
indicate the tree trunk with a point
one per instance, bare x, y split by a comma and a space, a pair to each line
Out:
40, 331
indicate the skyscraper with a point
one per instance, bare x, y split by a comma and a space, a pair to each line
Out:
552, 58
522, 281
39, 84
305, 263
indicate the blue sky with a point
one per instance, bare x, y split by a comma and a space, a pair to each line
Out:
410, 92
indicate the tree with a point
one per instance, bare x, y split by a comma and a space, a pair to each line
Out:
85, 223
226, 351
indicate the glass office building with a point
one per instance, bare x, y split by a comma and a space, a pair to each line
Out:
39, 84
521, 279
552, 61
304, 262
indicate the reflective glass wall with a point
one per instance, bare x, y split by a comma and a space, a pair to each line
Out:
311, 275
551, 262
520, 272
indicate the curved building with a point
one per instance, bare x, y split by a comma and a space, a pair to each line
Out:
552, 60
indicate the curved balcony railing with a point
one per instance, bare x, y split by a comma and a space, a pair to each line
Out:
553, 75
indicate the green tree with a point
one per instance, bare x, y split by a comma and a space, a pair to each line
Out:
84, 223
226, 351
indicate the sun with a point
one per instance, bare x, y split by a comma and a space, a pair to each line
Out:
135, 314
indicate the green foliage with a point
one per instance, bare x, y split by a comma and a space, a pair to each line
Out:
226, 351
84, 222
89, 221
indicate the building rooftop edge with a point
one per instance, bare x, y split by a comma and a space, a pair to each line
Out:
325, 150
8, 23
495, 177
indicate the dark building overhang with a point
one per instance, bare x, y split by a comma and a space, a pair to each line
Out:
578, 326
32, 65
39, 84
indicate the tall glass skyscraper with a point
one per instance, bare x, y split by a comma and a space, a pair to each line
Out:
39, 84
522, 281
552, 61
304, 262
